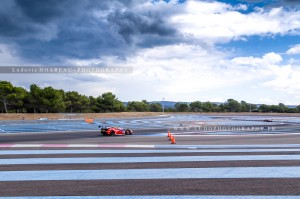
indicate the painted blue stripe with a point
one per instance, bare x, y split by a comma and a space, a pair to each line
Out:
155, 197
93, 160
187, 173
39, 152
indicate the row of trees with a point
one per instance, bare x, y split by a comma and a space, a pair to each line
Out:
49, 100
144, 106
232, 105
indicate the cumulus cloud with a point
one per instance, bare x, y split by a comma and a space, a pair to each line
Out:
220, 22
8, 56
272, 74
267, 59
294, 50
196, 72
272, 58
286, 79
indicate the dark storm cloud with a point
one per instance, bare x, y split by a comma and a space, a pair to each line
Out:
130, 24
55, 30
256, 1
28, 18
42, 11
12, 23
290, 2
287, 4
8, 27
275, 3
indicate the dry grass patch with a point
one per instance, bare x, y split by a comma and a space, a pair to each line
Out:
56, 116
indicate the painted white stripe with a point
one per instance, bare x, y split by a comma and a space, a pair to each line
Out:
132, 151
83, 145
140, 146
33, 152
182, 173
27, 145
155, 197
94, 160
74, 146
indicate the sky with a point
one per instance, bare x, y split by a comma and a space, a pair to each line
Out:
178, 50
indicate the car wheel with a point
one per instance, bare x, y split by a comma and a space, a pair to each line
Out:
112, 133
127, 132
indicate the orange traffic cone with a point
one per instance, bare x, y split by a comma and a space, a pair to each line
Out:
173, 140
168, 134
170, 138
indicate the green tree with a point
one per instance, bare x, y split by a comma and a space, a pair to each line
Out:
216, 108
92, 105
6, 89
155, 107
76, 102
232, 105
108, 102
222, 108
207, 107
170, 109
33, 101
264, 108
52, 100
282, 108
298, 108
274, 108
17, 99
85, 102
138, 106
291, 110
182, 107
196, 106
245, 107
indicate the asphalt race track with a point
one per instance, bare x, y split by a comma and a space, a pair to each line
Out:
264, 163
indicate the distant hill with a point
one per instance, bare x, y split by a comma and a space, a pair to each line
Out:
167, 104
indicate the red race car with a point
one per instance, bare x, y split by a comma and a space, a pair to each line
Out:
115, 131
